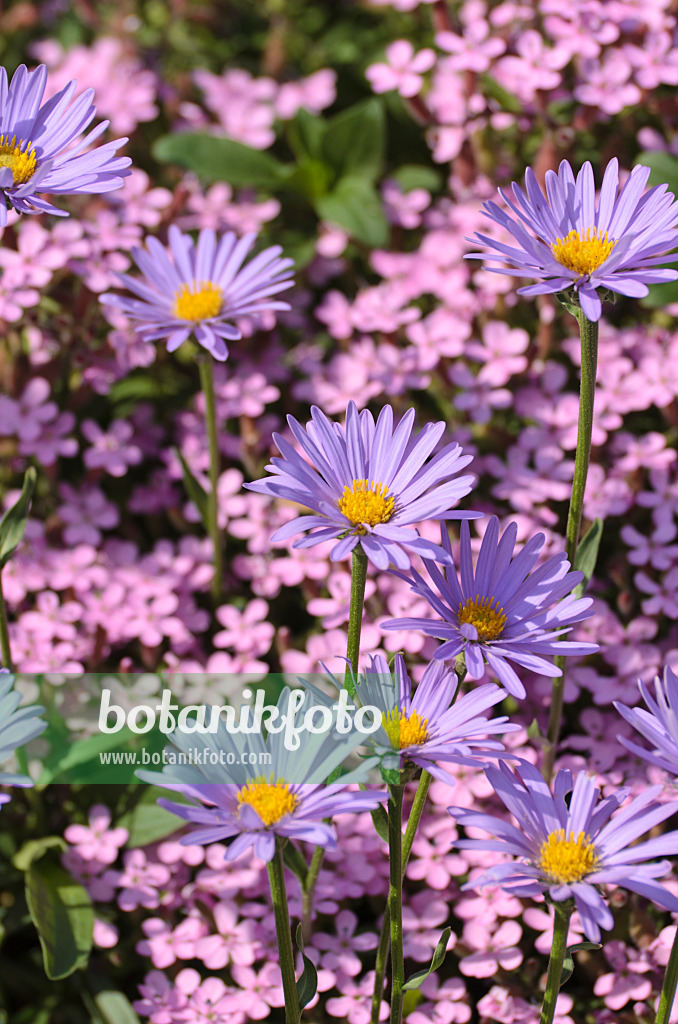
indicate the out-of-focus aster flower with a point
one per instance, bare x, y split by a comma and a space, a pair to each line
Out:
567, 848
502, 612
367, 484
428, 727
17, 726
190, 289
42, 148
659, 724
615, 244
288, 798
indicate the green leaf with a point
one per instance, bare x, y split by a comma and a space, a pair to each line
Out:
535, 733
506, 100
148, 823
437, 961
80, 753
306, 134
307, 984
663, 168
355, 205
294, 860
310, 177
34, 849
194, 489
13, 523
380, 822
664, 294
214, 159
115, 1008
587, 553
411, 176
355, 141
63, 914
568, 962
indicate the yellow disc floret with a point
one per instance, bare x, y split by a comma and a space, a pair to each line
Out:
366, 503
564, 860
271, 800
19, 157
478, 611
197, 301
405, 730
583, 251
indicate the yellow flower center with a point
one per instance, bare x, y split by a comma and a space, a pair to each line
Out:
567, 860
197, 301
271, 800
583, 251
404, 731
19, 157
478, 611
366, 503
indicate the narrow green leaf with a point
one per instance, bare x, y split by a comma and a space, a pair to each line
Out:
148, 823
354, 205
115, 1008
587, 553
306, 134
62, 912
294, 860
215, 159
194, 489
355, 140
568, 962
411, 176
438, 957
34, 849
380, 822
13, 523
307, 984
80, 753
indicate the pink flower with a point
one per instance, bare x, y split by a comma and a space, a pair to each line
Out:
500, 950
111, 451
97, 841
354, 1004
342, 949
261, 990
234, 943
86, 512
165, 946
403, 69
140, 882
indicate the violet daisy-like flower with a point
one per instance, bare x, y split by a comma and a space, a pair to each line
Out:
658, 725
196, 289
18, 725
251, 789
428, 727
366, 483
43, 149
502, 612
569, 847
568, 241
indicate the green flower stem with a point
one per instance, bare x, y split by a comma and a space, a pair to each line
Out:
669, 986
395, 900
207, 384
355, 615
588, 332
562, 914
276, 878
4, 632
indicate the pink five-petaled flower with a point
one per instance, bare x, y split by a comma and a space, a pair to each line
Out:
97, 841
165, 945
403, 69
234, 944
111, 451
341, 949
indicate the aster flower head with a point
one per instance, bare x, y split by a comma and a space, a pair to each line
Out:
17, 727
658, 725
568, 241
267, 789
196, 289
428, 727
567, 848
43, 148
502, 612
366, 483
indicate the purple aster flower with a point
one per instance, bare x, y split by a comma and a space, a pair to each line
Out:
41, 146
428, 727
659, 724
191, 289
568, 848
502, 612
616, 244
252, 788
367, 484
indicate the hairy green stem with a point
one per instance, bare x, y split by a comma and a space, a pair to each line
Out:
4, 632
207, 384
562, 913
395, 899
276, 878
588, 332
669, 986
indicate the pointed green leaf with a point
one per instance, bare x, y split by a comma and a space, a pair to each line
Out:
34, 849
294, 860
215, 159
437, 961
307, 984
115, 1008
568, 962
63, 914
354, 204
194, 489
380, 822
13, 523
354, 141
587, 553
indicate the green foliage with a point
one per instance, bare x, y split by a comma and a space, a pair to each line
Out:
307, 984
62, 912
13, 523
217, 159
587, 553
437, 961
355, 206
